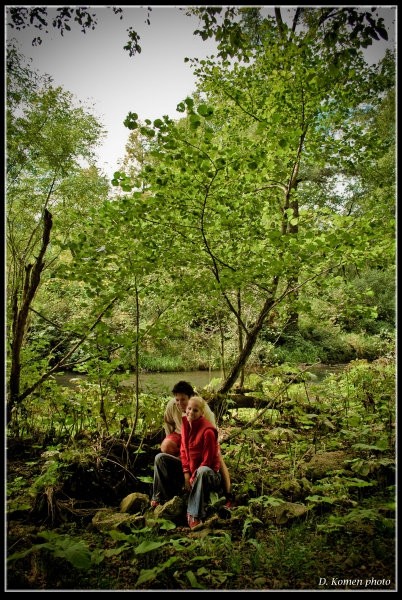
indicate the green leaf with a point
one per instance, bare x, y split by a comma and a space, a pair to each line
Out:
151, 574
205, 111
131, 121
193, 581
77, 553
146, 478
194, 121
148, 546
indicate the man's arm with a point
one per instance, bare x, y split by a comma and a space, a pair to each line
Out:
169, 424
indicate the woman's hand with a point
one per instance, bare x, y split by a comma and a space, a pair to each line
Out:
187, 484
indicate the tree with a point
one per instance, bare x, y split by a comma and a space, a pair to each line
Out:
363, 296
46, 138
234, 27
233, 174
363, 26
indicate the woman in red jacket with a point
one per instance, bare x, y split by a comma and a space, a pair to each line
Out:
200, 459
176, 407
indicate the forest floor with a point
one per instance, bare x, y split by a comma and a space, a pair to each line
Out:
250, 548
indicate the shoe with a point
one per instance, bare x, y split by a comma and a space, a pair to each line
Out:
154, 503
229, 501
193, 521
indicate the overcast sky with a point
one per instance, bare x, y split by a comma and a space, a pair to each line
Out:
95, 68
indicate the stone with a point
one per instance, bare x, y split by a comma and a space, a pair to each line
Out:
172, 509
134, 503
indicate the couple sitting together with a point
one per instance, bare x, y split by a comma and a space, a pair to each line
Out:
190, 456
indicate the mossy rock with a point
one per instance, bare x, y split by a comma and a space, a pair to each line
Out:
134, 503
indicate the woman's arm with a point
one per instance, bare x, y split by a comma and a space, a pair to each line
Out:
210, 449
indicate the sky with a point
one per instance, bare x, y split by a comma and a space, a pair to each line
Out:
98, 71
95, 68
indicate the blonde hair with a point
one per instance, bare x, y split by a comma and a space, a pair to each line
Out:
201, 402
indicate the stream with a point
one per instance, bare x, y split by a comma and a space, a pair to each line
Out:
162, 383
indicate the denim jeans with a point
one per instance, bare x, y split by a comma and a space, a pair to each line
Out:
206, 481
169, 481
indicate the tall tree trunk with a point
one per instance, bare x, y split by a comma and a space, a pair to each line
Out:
251, 339
222, 346
240, 334
137, 365
20, 314
292, 324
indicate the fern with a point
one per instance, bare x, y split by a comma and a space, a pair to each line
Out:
75, 552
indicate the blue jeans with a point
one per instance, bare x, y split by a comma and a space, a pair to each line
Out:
206, 480
169, 481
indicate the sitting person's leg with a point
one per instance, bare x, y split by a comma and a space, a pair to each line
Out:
226, 483
168, 478
205, 481
171, 444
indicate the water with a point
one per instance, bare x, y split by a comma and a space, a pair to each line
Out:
322, 371
157, 383
162, 383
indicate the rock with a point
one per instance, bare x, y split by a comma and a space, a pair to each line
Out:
324, 463
107, 519
289, 511
134, 503
173, 509
281, 433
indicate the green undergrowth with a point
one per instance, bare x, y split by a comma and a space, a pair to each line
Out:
313, 475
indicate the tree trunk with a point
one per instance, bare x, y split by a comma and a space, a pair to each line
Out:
240, 334
20, 314
249, 344
292, 325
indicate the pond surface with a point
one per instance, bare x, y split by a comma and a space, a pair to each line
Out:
159, 383
162, 383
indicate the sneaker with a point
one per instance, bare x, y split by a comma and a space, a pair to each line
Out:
154, 503
193, 521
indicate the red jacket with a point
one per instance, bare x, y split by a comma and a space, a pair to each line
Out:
199, 445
